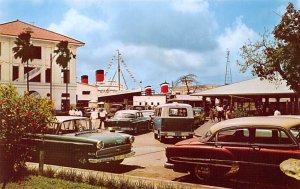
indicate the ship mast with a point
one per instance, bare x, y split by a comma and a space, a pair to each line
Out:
119, 69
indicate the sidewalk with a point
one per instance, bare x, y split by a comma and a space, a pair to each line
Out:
134, 179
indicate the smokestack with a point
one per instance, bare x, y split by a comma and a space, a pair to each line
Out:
99, 75
85, 79
164, 87
148, 91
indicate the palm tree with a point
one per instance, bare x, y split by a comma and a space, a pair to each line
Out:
64, 55
186, 80
24, 50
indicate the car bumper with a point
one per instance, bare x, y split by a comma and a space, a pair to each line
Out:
176, 133
114, 158
120, 128
169, 166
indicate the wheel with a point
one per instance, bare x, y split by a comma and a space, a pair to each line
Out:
202, 172
155, 136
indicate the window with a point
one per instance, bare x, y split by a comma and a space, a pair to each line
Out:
37, 52
48, 75
86, 92
15, 75
234, 135
271, 136
157, 103
178, 112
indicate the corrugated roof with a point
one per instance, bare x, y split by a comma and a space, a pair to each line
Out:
254, 86
14, 28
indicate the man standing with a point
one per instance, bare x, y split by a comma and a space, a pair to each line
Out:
102, 115
94, 117
220, 112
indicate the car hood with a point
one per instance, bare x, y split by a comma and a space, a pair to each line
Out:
120, 119
109, 138
192, 141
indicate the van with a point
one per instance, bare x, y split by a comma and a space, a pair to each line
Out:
173, 120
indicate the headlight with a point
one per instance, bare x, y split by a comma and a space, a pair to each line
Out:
100, 145
131, 139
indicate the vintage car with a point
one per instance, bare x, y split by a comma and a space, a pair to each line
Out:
173, 120
128, 121
114, 108
199, 116
237, 145
70, 138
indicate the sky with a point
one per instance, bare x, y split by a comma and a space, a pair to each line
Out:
159, 40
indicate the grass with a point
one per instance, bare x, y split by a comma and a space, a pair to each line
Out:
39, 182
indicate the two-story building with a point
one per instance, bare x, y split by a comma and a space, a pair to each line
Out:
46, 78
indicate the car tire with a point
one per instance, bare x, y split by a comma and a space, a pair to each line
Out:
202, 172
155, 136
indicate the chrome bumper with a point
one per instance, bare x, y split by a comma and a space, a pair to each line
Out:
169, 166
114, 158
176, 133
120, 128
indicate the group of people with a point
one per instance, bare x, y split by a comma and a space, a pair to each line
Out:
98, 114
75, 112
221, 113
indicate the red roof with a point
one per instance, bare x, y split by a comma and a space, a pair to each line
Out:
14, 28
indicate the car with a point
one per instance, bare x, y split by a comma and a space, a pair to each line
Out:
173, 120
247, 144
199, 116
114, 108
138, 107
70, 138
128, 121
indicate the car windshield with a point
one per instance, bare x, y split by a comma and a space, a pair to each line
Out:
68, 126
124, 115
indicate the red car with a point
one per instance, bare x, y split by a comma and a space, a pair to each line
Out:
250, 143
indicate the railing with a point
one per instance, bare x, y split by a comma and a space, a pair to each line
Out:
32, 73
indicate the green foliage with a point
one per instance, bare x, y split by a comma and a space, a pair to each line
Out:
19, 116
240, 112
278, 55
64, 54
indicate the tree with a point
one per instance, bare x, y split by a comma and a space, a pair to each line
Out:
24, 50
186, 80
19, 116
63, 59
277, 56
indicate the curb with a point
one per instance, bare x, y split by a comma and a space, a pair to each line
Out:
135, 179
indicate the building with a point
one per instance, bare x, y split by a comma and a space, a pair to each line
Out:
182, 90
153, 100
253, 95
41, 71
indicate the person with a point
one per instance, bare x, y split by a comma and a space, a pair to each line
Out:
78, 112
277, 112
219, 112
230, 114
72, 112
94, 117
212, 114
102, 115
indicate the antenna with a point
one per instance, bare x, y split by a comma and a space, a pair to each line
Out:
228, 77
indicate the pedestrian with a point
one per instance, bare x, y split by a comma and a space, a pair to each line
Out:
277, 112
78, 112
71, 112
94, 117
212, 114
102, 115
230, 114
219, 112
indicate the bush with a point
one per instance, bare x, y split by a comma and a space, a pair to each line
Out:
19, 116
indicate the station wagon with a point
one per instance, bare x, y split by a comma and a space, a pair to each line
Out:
241, 144
173, 120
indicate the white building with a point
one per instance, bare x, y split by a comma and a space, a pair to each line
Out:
154, 100
39, 70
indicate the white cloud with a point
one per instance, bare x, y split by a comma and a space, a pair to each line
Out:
191, 6
73, 22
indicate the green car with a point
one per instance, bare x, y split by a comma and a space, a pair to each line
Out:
71, 138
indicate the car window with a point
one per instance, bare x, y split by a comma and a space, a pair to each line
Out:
71, 126
178, 112
234, 135
271, 136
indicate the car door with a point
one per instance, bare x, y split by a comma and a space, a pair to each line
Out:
271, 146
236, 142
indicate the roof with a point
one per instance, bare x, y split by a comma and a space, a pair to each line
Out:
254, 86
128, 111
186, 98
175, 104
61, 119
14, 28
280, 121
